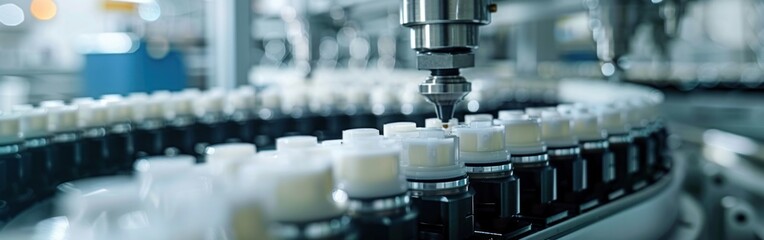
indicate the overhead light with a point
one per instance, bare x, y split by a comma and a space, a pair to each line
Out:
43, 9
11, 15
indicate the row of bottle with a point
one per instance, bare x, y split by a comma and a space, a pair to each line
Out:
506, 176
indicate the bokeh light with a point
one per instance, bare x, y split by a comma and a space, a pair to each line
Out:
43, 9
11, 15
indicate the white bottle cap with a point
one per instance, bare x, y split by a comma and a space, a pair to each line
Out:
82, 101
10, 129
240, 100
369, 171
118, 111
270, 99
162, 166
481, 142
360, 134
431, 123
147, 107
102, 199
612, 120
392, 129
477, 117
62, 119
92, 115
523, 136
555, 131
298, 190
180, 105
331, 143
586, 127
427, 154
535, 112
21, 108
296, 143
210, 103
511, 114
52, 104
34, 123
224, 159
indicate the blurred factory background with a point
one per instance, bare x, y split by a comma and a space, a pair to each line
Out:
707, 56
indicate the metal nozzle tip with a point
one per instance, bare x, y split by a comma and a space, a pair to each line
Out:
444, 111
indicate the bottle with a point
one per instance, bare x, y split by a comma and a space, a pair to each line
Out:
210, 127
538, 186
119, 137
240, 107
37, 141
148, 120
565, 156
180, 119
93, 119
600, 162
620, 143
438, 184
489, 167
366, 167
644, 146
66, 144
302, 202
274, 123
14, 179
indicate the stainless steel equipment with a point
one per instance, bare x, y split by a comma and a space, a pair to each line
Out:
444, 33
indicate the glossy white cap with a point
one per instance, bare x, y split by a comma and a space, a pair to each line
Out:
469, 118
393, 129
296, 143
613, 121
52, 104
369, 170
93, 115
360, 135
300, 188
535, 112
211, 102
433, 123
586, 127
10, 128
523, 136
481, 142
154, 167
511, 114
225, 158
180, 105
118, 111
555, 131
62, 119
427, 154
34, 123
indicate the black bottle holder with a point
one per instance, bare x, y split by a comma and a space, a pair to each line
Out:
148, 138
497, 201
572, 179
600, 164
119, 144
399, 221
67, 147
95, 152
663, 159
538, 191
363, 120
647, 151
334, 228
626, 164
180, 136
13, 190
41, 159
444, 212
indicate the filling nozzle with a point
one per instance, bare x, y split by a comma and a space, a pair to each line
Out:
444, 34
